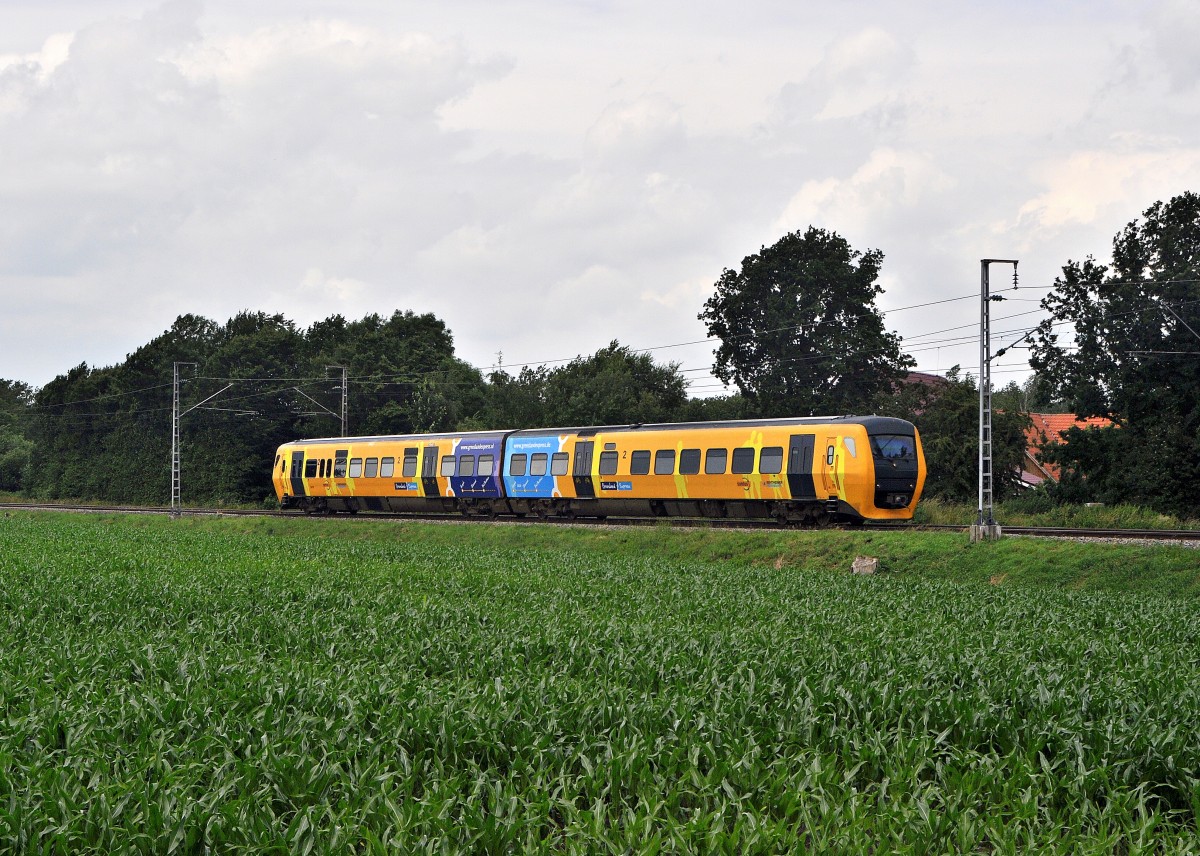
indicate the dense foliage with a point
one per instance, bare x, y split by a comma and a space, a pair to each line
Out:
1122, 342
16, 450
213, 688
800, 333
611, 387
106, 433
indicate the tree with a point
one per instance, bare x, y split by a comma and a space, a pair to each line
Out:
614, 386
799, 329
714, 408
1131, 352
516, 402
404, 376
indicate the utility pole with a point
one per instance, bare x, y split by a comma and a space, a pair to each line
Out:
986, 527
345, 396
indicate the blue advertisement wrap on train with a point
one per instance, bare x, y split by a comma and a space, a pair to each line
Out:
533, 465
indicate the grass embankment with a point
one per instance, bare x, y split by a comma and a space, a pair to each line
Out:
1037, 511
348, 686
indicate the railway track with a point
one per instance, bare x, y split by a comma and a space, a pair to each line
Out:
1166, 535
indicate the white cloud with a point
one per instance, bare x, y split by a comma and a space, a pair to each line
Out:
1090, 186
645, 129
889, 184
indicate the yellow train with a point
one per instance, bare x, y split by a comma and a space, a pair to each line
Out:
805, 471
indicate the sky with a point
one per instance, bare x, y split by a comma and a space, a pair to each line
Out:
547, 177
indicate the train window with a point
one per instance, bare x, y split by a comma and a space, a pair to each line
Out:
715, 461
639, 464
355, 467
466, 465
371, 468
321, 468
447, 466
487, 465
516, 465
829, 456
664, 462
743, 460
608, 463
408, 468
893, 446
560, 464
770, 460
387, 467
279, 460
689, 462
851, 450
310, 468
339, 465
537, 464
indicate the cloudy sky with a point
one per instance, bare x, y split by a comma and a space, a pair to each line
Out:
549, 175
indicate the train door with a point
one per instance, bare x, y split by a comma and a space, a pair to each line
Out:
296, 476
429, 470
829, 464
582, 474
800, 467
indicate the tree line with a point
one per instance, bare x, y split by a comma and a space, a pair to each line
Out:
799, 334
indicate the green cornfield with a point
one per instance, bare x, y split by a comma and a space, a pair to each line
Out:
307, 686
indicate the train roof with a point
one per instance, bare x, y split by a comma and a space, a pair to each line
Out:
879, 424
873, 424
444, 435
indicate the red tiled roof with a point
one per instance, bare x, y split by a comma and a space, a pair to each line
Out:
925, 379
1048, 428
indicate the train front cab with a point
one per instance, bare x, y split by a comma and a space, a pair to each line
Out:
898, 466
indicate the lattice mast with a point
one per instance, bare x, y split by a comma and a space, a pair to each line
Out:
986, 516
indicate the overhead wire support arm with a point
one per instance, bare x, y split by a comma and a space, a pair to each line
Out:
1178, 318
314, 401
176, 415
210, 398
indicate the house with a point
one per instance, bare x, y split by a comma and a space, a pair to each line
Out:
1048, 428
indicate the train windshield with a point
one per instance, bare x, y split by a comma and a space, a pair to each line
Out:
893, 447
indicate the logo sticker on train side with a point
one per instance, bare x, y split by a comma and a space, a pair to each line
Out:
406, 485
612, 485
